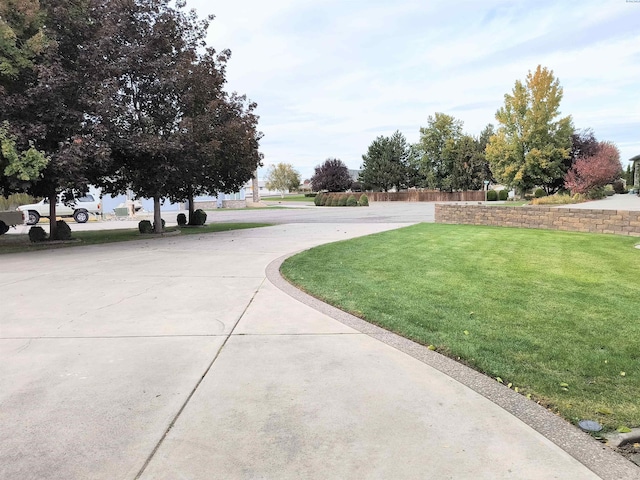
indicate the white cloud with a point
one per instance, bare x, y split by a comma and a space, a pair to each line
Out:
329, 76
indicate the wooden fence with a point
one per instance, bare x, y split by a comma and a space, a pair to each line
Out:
427, 196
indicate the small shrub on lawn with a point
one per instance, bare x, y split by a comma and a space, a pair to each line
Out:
144, 226
503, 195
199, 217
63, 230
492, 196
363, 201
351, 201
342, 201
539, 193
609, 191
182, 219
37, 234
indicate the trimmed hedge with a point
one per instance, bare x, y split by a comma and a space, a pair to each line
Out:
181, 219
503, 195
492, 196
144, 226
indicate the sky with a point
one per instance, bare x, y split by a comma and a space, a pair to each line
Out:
329, 76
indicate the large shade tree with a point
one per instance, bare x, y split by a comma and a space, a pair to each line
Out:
386, 163
218, 133
332, 175
283, 178
435, 163
533, 140
46, 81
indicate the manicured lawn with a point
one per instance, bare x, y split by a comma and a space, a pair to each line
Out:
20, 243
555, 314
289, 198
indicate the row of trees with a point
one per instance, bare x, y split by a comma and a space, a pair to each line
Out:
122, 94
533, 146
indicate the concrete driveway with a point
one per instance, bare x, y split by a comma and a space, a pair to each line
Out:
176, 358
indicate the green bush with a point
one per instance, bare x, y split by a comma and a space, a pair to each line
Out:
182, 219
609, 190
63, 230
199, 217
492, 196
144, 226
539, 193
310, 195
596, 193
503, 195
342, 200
37, 234
323, 200
351, 201
618, 187
163, 224
364, 201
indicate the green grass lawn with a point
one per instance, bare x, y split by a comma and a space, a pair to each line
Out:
289, 198
21, 243
555, 314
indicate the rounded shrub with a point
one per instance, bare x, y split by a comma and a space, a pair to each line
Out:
492, 196
199, 217
316, 200
539, 193
351, 201
63, 230
342, 200
37, 234
503, 195
181, 219
144, 226
363, 201
323, 200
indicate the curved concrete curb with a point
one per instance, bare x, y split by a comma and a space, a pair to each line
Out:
594, 455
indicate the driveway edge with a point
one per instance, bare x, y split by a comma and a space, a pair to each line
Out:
594, 455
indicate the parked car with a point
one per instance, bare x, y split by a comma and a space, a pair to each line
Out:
79, 208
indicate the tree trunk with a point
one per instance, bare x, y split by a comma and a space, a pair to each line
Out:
192, 208
53, 227
157, 218
255, 187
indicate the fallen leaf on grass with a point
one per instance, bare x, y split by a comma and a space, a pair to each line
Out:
499, 379
431, 347
604, 411
623, 429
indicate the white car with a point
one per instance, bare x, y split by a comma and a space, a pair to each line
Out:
79, 208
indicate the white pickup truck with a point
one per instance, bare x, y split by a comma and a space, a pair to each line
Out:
10, 219
79, 208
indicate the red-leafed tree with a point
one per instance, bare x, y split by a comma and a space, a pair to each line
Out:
592, 172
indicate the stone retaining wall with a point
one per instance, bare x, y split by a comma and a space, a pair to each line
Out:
620, 222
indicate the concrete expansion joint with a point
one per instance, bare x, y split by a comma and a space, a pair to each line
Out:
198, 383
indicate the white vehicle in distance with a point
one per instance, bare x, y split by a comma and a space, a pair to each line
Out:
79, 208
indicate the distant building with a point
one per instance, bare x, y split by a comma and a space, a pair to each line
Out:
635, 162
